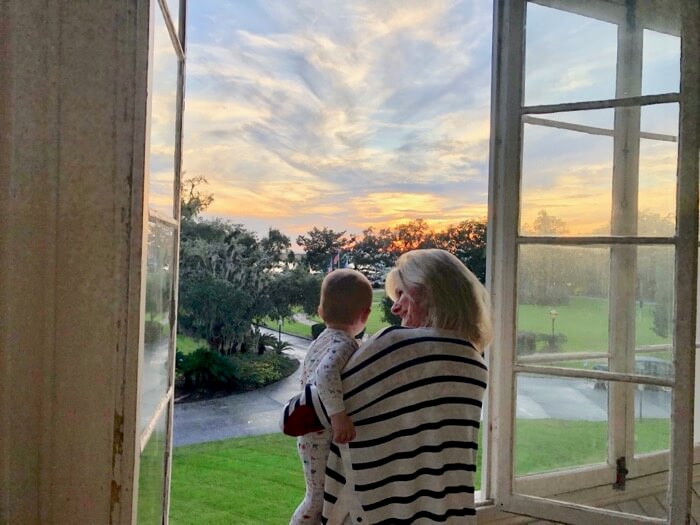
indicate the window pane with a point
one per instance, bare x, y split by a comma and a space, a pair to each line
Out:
152, 476
560, 423
563, 423
654, 311
661, 66
157, 323
652, 413
561, 65
163, 117
568, 174
563, 305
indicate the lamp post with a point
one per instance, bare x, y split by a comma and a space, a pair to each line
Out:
553, 316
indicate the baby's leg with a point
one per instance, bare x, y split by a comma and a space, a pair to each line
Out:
313, 450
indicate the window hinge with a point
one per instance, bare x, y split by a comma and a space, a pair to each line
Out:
621, 474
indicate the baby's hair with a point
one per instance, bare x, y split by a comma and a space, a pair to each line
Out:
345, 295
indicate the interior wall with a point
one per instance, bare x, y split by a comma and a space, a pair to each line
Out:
72, 110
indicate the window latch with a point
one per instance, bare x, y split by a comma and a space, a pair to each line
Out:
621, 474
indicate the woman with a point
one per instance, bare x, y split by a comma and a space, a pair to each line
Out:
414, 394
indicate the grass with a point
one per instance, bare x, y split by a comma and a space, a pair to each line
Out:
374, 323
187, 345
584, 321
258, 480
247, 481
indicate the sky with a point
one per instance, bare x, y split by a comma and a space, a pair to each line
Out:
346, 114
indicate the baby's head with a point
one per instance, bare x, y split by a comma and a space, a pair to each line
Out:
346, 300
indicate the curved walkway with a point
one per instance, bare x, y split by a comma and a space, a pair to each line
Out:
246, 414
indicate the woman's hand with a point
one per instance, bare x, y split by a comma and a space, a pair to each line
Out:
343, 429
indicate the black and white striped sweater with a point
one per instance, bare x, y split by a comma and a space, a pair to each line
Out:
415, 397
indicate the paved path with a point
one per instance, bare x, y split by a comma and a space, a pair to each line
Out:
258, 412
246, 414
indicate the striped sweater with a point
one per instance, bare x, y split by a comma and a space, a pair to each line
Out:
415, 396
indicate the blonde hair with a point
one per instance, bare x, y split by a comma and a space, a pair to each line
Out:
453, 297
345, 295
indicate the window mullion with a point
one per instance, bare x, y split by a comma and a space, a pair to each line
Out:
623, 258
504, 206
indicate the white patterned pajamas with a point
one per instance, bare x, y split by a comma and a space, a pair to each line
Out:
325, 359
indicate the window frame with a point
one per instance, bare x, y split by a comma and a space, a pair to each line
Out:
165, 406
507, 118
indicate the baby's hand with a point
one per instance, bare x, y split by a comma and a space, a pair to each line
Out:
343, 429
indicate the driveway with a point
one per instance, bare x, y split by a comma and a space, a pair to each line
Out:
258, 412
246, 414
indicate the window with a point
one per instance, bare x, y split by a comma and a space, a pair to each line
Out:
161, 238
590, 253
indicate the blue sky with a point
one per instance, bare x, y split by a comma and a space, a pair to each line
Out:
356, 113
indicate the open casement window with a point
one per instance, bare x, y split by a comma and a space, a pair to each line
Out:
160, 261
594, 247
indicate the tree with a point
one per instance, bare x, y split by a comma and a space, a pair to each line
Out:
374, 248
467, 241
225, 273
544, 270
320, 246
546, 224
412, 235
192, 200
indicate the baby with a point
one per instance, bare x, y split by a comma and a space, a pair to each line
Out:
346, 300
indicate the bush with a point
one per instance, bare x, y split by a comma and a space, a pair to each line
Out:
259, 371
153, 331
387, 316
316, 329
553, 342
527, 343
206, 369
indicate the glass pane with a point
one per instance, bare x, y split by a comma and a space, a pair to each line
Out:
567, 176
157, 323
163, 117
152, 476
563, 423
660, 118
563, 305
652, 413
654, 317
560, 423
661, 63
561, 65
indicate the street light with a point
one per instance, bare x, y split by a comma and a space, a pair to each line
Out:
553, 316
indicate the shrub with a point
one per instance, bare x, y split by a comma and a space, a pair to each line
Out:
553, 342
279, 346
259, 371
204, 368
527, 343
387, 316
316, 329
153, 331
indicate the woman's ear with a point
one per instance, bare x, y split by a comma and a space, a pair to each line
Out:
319, 311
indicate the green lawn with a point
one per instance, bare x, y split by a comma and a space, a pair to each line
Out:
258, 480
187, 345
374, 323
584, 321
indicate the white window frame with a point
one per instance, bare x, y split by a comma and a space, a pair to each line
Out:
165, 407
499, 484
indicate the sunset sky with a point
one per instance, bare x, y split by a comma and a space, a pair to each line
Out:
356, 113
